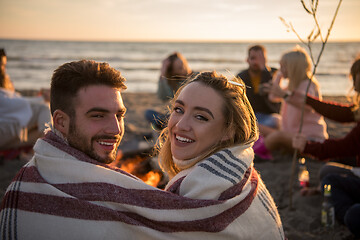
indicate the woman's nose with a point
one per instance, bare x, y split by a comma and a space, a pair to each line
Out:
184, 123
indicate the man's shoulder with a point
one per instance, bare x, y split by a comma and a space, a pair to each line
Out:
243, 73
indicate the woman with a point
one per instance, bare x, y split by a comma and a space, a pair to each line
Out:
206, 151
174, 71
296, 67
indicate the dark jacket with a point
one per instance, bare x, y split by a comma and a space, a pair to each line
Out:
260, 102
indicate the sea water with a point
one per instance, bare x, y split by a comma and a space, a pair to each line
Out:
31, 63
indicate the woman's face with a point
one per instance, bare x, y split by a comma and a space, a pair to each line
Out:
197, 121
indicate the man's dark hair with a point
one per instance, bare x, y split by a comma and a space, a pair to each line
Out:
257, 48
69, 78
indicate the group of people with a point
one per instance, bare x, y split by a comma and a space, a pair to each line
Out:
206, 147
68, 190
278, 111
295, 66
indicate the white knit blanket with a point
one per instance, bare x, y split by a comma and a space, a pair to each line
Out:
63, 194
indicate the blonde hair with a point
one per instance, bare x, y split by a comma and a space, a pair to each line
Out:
240, 119
298, 66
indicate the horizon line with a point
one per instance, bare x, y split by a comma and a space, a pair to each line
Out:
176, 41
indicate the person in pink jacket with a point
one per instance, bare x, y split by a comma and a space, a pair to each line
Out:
295, 67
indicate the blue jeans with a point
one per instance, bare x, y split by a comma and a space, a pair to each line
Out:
157, 120
267, 120
345, 195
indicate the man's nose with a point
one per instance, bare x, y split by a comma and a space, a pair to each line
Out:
114, 126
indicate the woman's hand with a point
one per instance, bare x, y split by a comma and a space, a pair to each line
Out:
274, 89
299, 142
277, 77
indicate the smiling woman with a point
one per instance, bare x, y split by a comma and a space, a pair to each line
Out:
207, 151
209, 113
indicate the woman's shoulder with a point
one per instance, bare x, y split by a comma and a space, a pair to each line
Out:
314, 88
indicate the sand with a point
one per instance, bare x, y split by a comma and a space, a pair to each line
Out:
302, 222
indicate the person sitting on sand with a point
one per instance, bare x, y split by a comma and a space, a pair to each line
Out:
69, 191
344, 179
174, 71
22, 120
296, 67
254, 77
206, 150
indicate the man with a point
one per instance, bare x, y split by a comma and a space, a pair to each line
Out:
67, 190
257, 74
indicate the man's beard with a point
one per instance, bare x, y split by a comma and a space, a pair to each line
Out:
80, 142
255, 69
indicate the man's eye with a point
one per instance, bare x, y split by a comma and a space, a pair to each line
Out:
97, 116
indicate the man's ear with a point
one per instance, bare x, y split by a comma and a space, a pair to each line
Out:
61, 122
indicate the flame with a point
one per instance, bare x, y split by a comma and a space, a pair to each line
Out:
131, 165
152, 178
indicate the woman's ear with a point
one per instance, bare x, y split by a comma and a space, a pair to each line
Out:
229, 135
61, 122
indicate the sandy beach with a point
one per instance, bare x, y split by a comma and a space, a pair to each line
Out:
302, 222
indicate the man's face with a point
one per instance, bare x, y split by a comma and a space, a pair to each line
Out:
256, 61
98, 125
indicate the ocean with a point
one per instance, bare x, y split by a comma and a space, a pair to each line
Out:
31, 63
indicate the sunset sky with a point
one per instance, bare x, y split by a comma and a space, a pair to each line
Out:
172, 20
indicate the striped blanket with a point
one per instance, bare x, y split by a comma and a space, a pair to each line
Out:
63, 194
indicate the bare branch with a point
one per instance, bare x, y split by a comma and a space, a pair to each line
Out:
310, 35
333, 21
298, 36
316, 35
318, 26
284, 22
310, 39
306, 9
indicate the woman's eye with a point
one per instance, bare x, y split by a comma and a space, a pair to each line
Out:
178, 110
201, 118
